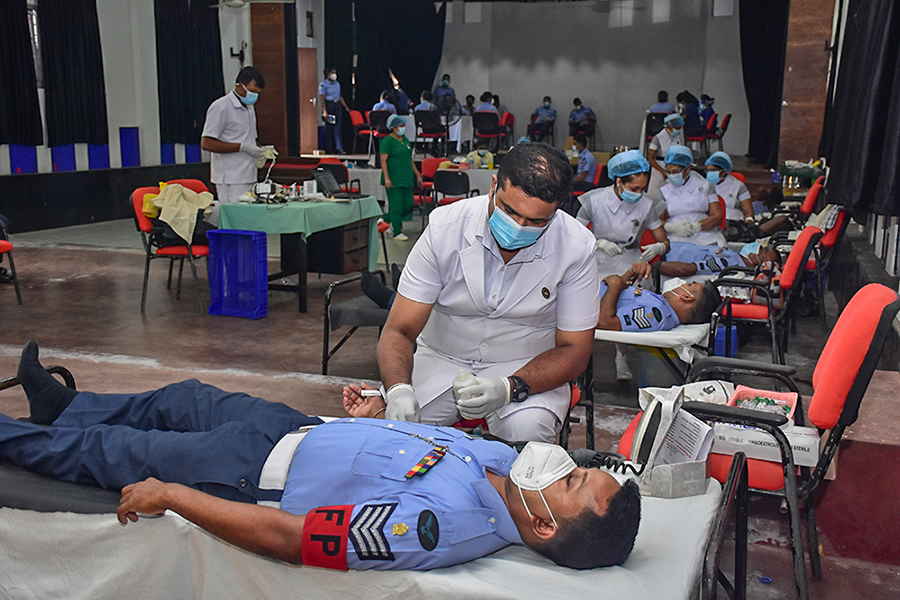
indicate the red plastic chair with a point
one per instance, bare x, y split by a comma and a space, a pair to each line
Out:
486, 126
739, 176
423, 197
598, 175
452, 185
360, 127
507, 125
377, 126
153, 250
719, 132
7, 248
703, 138
840, 379
724, 224
812, 196
430, 128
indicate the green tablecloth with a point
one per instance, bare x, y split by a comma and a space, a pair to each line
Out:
305, 218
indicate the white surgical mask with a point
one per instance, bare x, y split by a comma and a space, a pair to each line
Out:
675, 283
332, 76
751, 248
538, 466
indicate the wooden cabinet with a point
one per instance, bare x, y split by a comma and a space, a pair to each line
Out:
339, 251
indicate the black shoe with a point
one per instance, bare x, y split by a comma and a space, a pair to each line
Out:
5, 276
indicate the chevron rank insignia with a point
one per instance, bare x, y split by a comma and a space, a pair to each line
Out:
639, 318
366, 533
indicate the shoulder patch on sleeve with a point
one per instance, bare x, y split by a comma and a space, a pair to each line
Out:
325, 537
428, 530
367, 535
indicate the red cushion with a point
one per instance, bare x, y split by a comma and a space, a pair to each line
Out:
382, 227
761, 474
750, 311
624, 447
792, 264
811, 264
5, 246
446, 201
182, 251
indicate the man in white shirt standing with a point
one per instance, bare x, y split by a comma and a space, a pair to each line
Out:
229, 135
503, 286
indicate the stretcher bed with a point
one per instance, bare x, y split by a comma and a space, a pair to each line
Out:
60, 539
689, 342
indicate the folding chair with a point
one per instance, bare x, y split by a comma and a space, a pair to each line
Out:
452, 185
153, 250
6, 248
358, 312
430, 128
776, 318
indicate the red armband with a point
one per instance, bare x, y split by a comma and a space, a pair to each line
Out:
325, 537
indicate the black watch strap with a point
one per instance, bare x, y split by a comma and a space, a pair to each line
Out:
520, 390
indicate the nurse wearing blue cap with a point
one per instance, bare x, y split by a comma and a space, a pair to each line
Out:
692, 205
738, 201
671, 133
617, 216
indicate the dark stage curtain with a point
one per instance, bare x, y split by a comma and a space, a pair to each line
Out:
188, 67
403, 36
20, 113
764, 25
75, 94
864, 146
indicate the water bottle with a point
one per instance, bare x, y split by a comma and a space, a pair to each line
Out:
463, 379
776, 177
471, 162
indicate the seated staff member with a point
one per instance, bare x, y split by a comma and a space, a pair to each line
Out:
587, 165
685, 260
503, 285
618, 215
670, 134
385, 103
201, 452
481, 157
624, 307
692, 205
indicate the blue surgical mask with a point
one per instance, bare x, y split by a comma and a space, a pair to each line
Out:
713, 177
546, 105
482, 153
629, 196
509, 234
251, 97
751, 248
445, 83
676, 179
401, 131
674, 133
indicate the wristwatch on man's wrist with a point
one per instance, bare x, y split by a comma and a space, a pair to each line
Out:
519, 390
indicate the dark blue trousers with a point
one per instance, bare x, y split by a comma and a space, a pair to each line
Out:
188, 432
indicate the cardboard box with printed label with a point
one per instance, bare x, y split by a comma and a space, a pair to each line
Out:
759, 444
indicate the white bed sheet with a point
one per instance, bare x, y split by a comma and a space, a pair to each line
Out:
93, 557
681, 339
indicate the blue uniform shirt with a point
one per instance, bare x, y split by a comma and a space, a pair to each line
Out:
542, 112
586, 162
425, 105
445, 516
440, 91
641, 310
331, 90
487, 107
583, 114
708, 259
385, 105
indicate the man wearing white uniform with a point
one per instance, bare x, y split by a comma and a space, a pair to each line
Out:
229, 134
618, 215
692, 205
504, 286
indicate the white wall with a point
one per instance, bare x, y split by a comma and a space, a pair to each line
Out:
615, 56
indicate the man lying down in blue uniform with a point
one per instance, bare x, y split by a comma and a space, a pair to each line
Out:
360, 493
685, 260
625, 306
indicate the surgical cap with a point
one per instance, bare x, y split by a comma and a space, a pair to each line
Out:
627, 163
674, 120
720, 159
679, 155
523, 140
395, 120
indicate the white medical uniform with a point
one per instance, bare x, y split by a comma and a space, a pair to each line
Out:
620, 222
230, 120
690, 202
661, 142
492, 318
733, 191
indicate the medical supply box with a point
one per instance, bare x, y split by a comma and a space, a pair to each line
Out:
759, 444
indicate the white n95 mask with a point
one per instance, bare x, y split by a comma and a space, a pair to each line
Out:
675, 282
538, 466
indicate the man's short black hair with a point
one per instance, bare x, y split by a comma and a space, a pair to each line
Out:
248, 74
662, 96
470, 99
486, 97
539, 170
705, 304
444, 76
426, 95
576, 101
386, 95
589, 540
547, 99
580, 138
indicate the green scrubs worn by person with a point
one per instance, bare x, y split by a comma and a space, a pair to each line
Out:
398, 174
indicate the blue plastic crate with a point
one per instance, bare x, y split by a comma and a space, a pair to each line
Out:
238, 273
719, 349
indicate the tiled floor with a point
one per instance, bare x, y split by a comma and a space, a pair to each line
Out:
82, 287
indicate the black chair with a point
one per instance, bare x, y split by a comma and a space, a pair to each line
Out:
452, 185
361, 311
430, 128
486, 125
342, 175
378, 126
655, 124
583, 396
